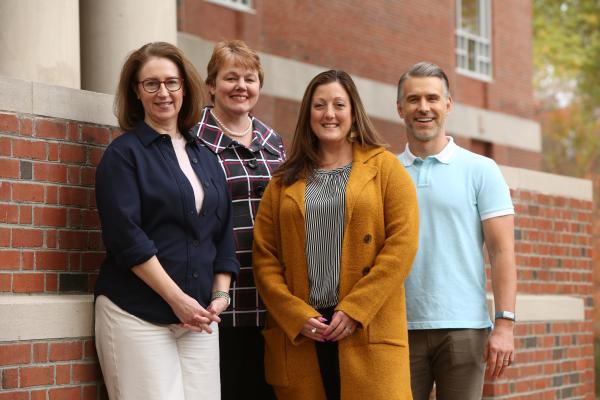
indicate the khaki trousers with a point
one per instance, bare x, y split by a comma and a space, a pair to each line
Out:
452, 358
146, 361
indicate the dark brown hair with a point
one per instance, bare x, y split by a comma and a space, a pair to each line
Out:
303, 156
129, 109
240, 53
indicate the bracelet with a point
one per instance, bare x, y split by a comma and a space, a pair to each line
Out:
219, 293
509, 315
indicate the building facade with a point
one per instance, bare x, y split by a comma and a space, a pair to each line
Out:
56, 119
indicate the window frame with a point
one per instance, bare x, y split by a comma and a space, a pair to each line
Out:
481, 40
237, 5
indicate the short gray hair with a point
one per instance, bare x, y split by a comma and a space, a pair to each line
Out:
424, 69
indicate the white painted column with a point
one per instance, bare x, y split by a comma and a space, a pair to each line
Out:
39, 41
111, 29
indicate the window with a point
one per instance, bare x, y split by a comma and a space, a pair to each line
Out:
239, 5
473, 44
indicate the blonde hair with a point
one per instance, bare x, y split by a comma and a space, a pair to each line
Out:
240, 53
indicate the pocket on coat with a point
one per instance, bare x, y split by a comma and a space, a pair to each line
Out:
388, 328
376, 337
275, 357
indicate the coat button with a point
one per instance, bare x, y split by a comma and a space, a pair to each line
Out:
195, 274
366, 270
252, 164
195, 243
206, 184
259, 190
194, 160
203, 213
367, 239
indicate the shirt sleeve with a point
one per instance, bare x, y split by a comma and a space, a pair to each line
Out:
226, 261
493, 195
119, 207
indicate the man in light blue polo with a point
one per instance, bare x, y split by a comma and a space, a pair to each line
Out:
464, 202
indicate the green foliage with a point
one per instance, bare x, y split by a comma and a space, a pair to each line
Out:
567, 82
571, 141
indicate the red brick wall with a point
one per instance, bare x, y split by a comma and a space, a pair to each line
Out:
512, 55
380, 40
49, 228
50, 370
596, 255
555, 360
50, 243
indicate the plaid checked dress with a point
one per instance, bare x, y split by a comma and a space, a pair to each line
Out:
248, 171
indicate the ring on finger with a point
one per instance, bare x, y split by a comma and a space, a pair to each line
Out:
313, 330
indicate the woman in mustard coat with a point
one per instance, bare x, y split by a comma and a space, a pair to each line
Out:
330, 264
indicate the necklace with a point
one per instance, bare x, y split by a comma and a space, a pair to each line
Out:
229, 131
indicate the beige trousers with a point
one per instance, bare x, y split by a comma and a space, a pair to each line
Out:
141, 360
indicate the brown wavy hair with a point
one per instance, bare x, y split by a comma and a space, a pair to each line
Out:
303, 156
129, 109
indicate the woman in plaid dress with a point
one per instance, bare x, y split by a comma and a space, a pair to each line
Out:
249, 151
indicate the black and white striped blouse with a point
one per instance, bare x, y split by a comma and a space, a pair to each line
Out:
325, 204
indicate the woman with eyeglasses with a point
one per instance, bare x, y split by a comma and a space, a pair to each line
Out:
249, 151
167, 226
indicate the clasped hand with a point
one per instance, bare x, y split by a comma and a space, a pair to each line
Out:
340, 327
197, 318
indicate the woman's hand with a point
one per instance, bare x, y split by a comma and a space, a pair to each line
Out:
341, 326
314, 328
186, 308
218, 305
192, 315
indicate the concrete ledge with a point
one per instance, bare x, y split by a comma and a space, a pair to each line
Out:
78, 105
550, 184
44, 317
286, 78
16, 95
545, 308
35, 98
27, 317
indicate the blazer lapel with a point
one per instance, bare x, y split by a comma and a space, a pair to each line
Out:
296, 192
361, 174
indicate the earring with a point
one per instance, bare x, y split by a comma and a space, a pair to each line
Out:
352, 136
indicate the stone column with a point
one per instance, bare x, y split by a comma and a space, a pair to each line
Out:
111, 29
39, 41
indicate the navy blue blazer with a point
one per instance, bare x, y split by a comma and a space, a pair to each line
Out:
146, 206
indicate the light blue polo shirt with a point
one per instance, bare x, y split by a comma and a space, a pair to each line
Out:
457, 190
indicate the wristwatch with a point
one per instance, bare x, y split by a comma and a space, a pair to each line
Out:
509, 315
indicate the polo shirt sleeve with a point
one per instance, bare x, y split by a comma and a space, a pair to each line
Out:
119, 207
493, 194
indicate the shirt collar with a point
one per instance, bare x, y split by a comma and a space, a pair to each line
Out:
147, 134
445, 156
209, 133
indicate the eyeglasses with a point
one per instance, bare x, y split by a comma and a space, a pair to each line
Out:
153, 85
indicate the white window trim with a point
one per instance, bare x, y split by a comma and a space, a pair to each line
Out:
234, 5
485, 37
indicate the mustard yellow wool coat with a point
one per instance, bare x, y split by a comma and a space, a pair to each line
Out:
380, 242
